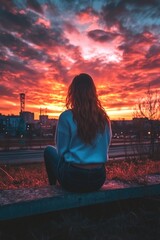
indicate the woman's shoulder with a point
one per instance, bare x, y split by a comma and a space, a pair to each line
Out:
66, 114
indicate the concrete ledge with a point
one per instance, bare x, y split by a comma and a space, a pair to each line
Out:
32, 201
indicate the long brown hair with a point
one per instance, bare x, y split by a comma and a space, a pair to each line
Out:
88, 113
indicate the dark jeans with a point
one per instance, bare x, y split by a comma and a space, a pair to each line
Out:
72, 178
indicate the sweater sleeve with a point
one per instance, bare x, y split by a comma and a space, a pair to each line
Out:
62, 136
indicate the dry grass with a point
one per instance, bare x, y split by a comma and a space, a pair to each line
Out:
132, 170
23, 176
34, 175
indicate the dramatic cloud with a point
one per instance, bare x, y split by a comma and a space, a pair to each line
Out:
101, 36
45, 43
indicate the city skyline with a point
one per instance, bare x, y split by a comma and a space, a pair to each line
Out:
45, 43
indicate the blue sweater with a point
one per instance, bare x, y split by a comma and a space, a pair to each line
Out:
73, 149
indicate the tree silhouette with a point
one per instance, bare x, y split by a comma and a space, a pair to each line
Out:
148, 107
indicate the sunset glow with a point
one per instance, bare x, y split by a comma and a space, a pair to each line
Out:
44, 44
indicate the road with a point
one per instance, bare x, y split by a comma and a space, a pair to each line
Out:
34, 156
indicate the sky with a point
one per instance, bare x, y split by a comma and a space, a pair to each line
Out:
45, 43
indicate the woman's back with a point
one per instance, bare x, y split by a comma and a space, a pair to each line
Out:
74, 149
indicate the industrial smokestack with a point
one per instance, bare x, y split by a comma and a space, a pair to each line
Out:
22, 102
